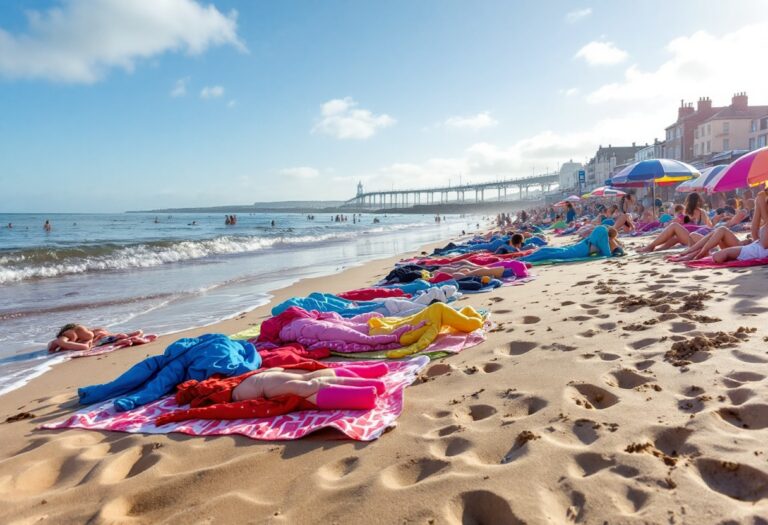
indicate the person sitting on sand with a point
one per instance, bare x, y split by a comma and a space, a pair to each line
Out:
674, 234
693, 211
74, 336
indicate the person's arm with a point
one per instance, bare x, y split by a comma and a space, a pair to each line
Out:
703, 215
760, 215
64, 343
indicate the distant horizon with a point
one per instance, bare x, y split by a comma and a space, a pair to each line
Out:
193, 103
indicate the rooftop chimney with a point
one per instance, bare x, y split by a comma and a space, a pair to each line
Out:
684, 110
740, 101
704, 104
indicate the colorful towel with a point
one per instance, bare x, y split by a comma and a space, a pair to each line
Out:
566, 261
708, 263
446, 343
105, 349
249, 333
357, 424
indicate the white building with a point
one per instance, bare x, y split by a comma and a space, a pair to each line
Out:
569, 175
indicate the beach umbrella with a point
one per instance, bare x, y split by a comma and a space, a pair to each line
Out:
572, 198
605, 191
749, 170
668, 170
656, 172
700, 183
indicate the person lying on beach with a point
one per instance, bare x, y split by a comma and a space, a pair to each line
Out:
603, 241
74, 336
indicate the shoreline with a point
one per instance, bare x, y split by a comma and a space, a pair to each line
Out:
571, 411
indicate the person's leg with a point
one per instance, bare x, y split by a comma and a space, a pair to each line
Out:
721, 238
673, 234
727, 254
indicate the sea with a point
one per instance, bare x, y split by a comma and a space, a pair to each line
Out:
166, 273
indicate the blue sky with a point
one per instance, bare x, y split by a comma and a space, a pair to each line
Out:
108, 105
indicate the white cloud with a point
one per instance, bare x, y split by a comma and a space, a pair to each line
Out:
474, 122
600, 53
180, 88
81, 40
342, 119
701, 64
578, 15
211, 92
301, 172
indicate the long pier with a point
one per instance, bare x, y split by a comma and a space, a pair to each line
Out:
441, 195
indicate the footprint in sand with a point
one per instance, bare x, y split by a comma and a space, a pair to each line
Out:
129, 463
530, 319
490, 368
412, 472
480, 507
586, 430
739, 396
674, 441
752, 417
456, 446
589, 463
735, 480
516, 348
591, 396
518, 405
588, 333
448, 430
439, 369
339, 469
626, 379
736, 379
748, 357
559, 347
681, 327
567, 303
645, 364
480, 412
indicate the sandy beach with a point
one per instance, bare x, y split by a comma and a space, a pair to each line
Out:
616, 391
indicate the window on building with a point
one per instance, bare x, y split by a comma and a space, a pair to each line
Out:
761, 141
726, 127
752, 143
764, 123
696, 133
709, 130
726, 144
708, 148
696, 149
753, 125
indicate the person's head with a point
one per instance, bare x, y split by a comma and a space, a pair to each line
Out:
613, 209
748, 194
679, 209
612, 232
692, 203
568, 206
517, 240
69, 327
731, 202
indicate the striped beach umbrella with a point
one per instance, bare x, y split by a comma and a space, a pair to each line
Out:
656, 172
605, 191
700, 183
749, 170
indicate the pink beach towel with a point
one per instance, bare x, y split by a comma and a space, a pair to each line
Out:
362, 425
708, 263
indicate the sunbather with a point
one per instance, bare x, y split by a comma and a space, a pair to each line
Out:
74, 336
721, 238
602, 241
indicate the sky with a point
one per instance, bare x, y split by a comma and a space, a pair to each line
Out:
108, 105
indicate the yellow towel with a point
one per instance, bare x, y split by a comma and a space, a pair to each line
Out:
435, 317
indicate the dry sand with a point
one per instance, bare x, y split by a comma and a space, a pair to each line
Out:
616, 391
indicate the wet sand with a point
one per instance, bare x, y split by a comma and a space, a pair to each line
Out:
616, 391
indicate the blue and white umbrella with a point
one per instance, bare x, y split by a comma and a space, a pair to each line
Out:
700, 183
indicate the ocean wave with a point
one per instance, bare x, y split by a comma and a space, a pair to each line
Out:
45, 262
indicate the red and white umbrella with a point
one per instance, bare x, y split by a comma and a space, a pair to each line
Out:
605, 191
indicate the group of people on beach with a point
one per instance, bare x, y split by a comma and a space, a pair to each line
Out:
704, 225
